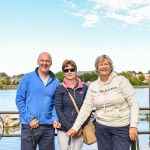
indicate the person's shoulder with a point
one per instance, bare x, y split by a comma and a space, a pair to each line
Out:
121, 78
94, 84
57, 80
29, 74
122, 81
85, 85
60, 88
27, 77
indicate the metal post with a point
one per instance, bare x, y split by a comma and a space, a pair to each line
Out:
149, 90
149, 111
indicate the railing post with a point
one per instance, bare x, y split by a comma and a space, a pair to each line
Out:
149, 90
149, 111
149, 93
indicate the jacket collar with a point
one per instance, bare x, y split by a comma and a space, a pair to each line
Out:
80, 84
51, 74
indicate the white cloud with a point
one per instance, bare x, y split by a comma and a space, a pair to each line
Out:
91, 20
70, 4
129, 12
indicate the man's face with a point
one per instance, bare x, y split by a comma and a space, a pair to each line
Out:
44, 62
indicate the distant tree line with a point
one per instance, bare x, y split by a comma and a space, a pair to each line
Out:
136, 79
85, 77
7, 80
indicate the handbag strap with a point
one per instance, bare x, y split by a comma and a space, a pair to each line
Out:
73, 101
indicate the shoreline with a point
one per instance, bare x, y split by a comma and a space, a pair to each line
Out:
14, 87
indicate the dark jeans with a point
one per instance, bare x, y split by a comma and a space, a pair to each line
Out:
112, 138
43, 136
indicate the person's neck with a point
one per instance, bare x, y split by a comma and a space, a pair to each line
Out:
104, 78
43, 74
72, 83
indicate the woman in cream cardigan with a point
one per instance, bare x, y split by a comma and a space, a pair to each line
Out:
116, 105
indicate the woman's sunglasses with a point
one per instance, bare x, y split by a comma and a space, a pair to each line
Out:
70, 69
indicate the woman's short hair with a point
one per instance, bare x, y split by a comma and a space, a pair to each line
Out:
102, 58
68, 62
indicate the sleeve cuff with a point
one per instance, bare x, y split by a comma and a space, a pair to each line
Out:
29, 119
134, 124
75, 128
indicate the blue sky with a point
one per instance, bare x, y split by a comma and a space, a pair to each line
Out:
78, 30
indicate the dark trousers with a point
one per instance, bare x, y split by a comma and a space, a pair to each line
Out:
43, 136
112, 138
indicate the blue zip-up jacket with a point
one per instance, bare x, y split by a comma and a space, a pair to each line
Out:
35, 100
65, 109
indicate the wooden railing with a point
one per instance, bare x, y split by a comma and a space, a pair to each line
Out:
134, 146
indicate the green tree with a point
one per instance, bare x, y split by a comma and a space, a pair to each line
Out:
60, 75
125, 74
86, 77
132, 78
3, 74
1, 86
6, 81
93, 76
81, 77
140, 72
141, 77
19, 75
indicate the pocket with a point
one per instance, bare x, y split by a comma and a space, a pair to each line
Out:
112, 113
109, 115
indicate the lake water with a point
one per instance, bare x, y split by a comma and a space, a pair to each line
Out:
7, 103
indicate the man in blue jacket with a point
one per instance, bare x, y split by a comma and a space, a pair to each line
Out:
35, 102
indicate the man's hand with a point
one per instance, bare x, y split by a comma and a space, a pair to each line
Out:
56, 124
71, 132
34, 123
133, 133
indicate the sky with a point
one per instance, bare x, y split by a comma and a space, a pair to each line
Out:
80, 30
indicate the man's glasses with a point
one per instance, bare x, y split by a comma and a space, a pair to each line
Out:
70, 69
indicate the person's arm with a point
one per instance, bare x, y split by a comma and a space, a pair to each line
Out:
131, 97
84, 113
55, 119
21, 96
54, 114
59, 109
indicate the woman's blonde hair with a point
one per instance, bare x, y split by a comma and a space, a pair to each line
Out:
102, 58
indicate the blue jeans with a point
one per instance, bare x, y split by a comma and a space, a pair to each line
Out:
43, 136
112, 138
